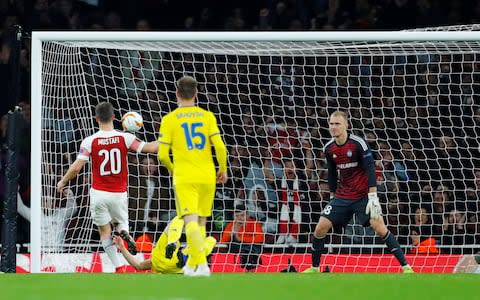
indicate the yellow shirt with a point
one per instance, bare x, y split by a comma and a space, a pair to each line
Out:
188, 131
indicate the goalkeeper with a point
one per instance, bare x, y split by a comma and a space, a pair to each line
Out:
353, 190
165, 259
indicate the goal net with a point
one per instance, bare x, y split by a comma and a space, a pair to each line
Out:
412, 95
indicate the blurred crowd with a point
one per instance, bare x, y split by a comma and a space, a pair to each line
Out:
418, 113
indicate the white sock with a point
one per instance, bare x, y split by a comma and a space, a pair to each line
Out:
111, 251
204, 265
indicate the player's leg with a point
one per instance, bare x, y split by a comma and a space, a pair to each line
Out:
194, 242
174, 231
209, 242
202, 222
101, 218
392, 243
108, 245
378, 225
203, 232
118, 208
208, 245
205, 204
337, 212
318, 243
203, 269
186, 197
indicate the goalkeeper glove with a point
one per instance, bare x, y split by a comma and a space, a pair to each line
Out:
373, 206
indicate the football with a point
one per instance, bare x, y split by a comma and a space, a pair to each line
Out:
132, 121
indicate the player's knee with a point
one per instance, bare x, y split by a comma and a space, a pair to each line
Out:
320, 232
202, 221
322, 227
190, 218
379, 227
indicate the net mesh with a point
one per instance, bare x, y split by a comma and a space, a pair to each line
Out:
415, 103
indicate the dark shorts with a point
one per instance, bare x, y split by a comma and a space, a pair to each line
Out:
340, 211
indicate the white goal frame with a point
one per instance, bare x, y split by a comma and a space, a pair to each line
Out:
36, 74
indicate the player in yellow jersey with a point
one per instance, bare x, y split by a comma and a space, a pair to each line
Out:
189, 132
159, 262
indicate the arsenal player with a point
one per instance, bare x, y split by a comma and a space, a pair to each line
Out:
108, 151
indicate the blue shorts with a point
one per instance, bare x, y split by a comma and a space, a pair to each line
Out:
341, 211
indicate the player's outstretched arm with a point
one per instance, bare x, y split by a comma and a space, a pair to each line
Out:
72, 172
151, 147
138, 265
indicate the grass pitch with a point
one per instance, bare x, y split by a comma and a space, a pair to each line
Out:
332, 286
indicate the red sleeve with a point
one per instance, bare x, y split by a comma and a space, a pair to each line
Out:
137, 145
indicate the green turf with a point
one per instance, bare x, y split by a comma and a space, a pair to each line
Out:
239, 286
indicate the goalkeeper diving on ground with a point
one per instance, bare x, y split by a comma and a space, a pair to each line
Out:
168, 257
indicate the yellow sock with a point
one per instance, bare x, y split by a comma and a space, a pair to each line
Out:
174, 230
208, 245
195, 244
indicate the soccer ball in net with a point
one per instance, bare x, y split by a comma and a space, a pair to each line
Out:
132, 121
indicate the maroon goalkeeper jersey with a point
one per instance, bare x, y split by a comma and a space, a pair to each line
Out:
355, 165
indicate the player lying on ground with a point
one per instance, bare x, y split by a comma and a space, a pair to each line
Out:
165, 259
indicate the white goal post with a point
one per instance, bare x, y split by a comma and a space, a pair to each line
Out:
404, 91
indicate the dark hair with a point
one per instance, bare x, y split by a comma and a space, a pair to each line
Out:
104, 112
186, 87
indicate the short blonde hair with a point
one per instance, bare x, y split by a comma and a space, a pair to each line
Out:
340, 113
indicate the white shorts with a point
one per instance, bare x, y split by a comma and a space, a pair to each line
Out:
106, 207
